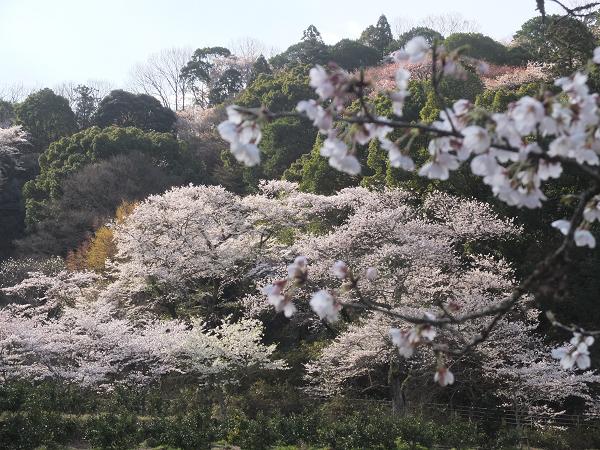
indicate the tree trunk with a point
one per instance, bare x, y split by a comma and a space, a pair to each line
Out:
396, 381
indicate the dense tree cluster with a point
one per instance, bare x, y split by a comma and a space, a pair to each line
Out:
230, 249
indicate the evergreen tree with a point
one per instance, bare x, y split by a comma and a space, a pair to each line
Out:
312, 34
228, 84
379, 36
430, 36
46, 116
86, 104
318, 176
125, 109
7, 114
377, 161
260, 66
351, 55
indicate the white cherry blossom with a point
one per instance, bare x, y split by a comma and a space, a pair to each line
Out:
243, 135
339, 157
371, 274
575, 85
325, 306
400, 338
476, 139
396, 157
527, 113
321, 117
596, 57
320, 81
591, 212
340, 270
443, 377
276, 297
547, 170
398, 99
575, 354
442, 162
298, 269
583, 237
415, 50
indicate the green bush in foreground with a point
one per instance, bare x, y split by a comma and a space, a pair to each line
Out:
52, 416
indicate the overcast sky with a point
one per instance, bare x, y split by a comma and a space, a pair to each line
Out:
45, 42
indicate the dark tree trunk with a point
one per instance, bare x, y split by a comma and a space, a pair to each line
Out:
396, 381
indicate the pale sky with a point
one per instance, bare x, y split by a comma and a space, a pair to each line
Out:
45, 42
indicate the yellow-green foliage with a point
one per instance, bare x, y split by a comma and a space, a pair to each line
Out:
101, 248
94, 253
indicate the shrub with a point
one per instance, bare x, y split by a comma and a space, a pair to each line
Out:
30, 430
112, 431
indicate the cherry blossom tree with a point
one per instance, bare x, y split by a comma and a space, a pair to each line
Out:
511, 77
385, 262
10, 140
514, 152
63, 328
186, 232
84, 328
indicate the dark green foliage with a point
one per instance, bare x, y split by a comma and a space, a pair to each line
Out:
377, 162
112, 431
260, 66
124, 109
86, 104
415, 102
278, 92
284, 141
121, 178
309, 52
46, 116
7, 114
497, 100
430, 36
563, 41
352, 55
200, 66
258, 416
451, 90
194, 430
199, 72
31, 430
593, 77
90, 197
317, 175
477, 45
312, 34
70, 154
378, 36
228, 84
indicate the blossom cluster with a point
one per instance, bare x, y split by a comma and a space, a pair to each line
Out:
10, 139
275, 292
243, 133
576, 353
400, 249
513, 151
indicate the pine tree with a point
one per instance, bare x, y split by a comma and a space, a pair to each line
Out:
379, 36
260, 66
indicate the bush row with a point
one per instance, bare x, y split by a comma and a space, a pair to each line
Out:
369, 429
